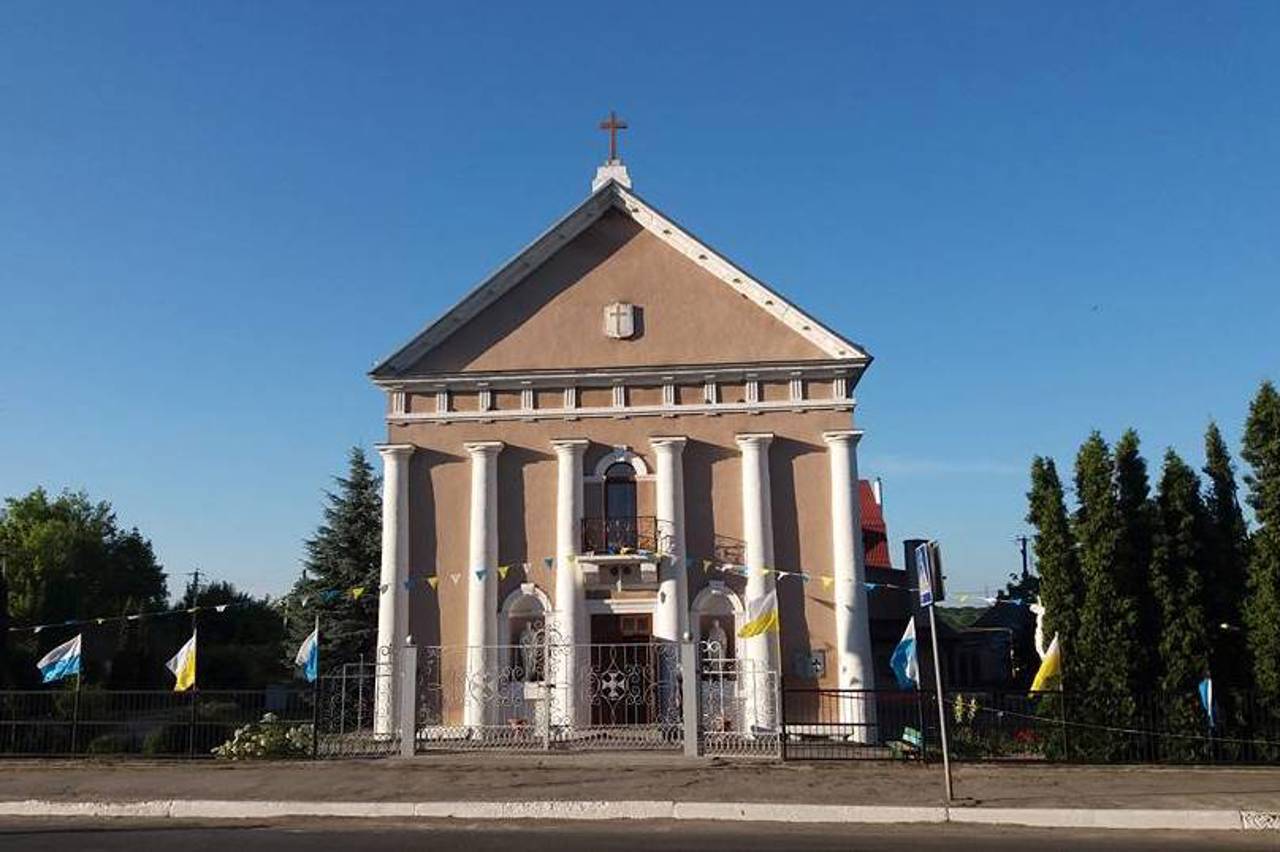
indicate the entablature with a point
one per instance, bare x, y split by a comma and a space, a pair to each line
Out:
623, 392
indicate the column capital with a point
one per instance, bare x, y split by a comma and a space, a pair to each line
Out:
754, 439
480, 448
570, 445
843, 436
675, 442
388, 451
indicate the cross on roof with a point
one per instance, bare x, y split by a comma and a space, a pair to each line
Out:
613, 124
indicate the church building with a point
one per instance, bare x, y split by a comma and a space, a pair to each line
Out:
622, 438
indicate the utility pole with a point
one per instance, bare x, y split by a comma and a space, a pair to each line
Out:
195, 585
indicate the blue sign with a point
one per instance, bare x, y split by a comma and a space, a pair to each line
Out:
924, 575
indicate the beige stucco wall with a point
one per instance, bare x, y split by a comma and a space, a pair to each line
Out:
439, 495
554, 318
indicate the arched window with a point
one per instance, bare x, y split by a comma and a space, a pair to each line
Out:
620, 506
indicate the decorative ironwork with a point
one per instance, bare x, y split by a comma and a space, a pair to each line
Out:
620, 535
588, 696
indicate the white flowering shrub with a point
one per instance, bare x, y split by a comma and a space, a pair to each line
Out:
269, 738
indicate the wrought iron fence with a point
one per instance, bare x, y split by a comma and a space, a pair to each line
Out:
993, 725
546, 694
737, 705
335, 715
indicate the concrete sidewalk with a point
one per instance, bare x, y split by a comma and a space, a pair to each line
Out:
505, 778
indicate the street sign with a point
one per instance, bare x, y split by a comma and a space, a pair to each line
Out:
924, 574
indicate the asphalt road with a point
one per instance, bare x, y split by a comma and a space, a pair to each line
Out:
110, 836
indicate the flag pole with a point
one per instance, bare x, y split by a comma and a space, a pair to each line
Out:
195, 683
75, 708
315, 698
942, 710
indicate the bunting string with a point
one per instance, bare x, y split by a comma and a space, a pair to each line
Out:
135, 616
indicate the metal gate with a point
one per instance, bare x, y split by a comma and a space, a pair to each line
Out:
545, 694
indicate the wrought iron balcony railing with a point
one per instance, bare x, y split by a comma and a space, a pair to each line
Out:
619, 535
643, 534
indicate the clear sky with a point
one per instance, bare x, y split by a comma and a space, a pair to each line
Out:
1040, 218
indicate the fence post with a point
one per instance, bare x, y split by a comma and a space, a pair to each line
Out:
191, 725
782, 714
75, 718
689, 694
408, 694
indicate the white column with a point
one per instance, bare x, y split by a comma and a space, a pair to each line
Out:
854, 663
761, 655
393, 599
568, 704
671, 614
482, 578
671, 617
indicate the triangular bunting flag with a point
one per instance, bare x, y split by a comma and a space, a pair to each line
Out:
454, 577
827, 581
503, 571
433, 582
356, 592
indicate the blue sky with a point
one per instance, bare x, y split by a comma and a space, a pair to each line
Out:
214, 217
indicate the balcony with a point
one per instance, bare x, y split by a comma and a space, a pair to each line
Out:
619, 536
640, 535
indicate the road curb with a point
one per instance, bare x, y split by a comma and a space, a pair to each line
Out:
220, 809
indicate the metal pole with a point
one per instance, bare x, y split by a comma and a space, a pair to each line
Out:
195, 687
76, 714
315, 699
942, 710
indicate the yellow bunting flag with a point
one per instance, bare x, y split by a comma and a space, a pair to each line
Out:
762, 616
433, 582
503, 570
356, 592
827, 581
1050, 668
706, 565
183, 665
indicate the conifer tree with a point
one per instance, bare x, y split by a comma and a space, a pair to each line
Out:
1226, 559
1106, 646
1133, 556
1262, 608
1177, 579
343, 564
1061, 586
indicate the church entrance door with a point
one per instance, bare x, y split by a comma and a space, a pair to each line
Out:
624, 670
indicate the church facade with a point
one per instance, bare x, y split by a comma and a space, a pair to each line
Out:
623, 438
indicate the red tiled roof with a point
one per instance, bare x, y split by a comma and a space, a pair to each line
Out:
875, 535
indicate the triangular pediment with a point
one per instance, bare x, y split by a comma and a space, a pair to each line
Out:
545, 309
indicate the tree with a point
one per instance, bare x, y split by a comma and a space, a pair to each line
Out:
1261, 449
1061, 587
67, 558
1133, 555
345, 554
238, 647
1226, 562
1106, 647
1178, 585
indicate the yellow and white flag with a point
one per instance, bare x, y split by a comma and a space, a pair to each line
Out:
762, 615
183, 665
1050, 667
